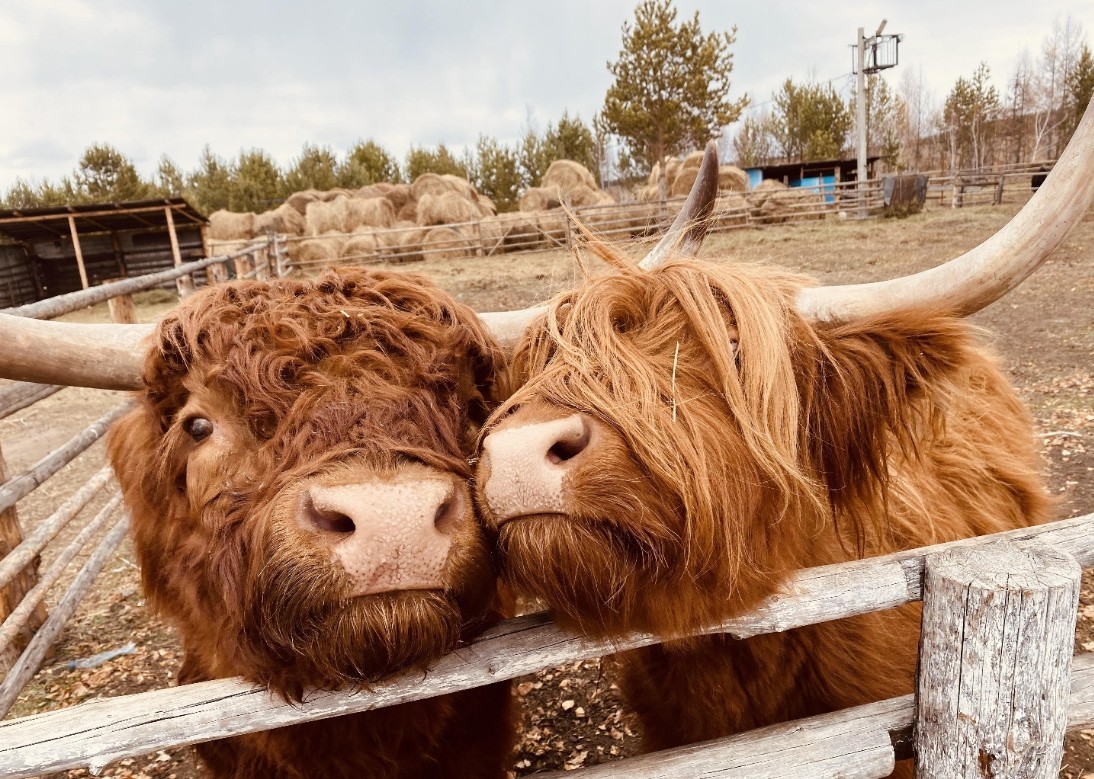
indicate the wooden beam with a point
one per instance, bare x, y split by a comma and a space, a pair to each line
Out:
79, 253
184, 284
12, 594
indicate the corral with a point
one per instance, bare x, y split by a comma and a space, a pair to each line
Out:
1044, 330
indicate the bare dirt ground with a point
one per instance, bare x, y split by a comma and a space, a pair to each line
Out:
573, 715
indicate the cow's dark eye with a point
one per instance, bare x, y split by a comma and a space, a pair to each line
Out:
198, 428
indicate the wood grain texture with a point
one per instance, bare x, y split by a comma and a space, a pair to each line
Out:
995, 662
97, 732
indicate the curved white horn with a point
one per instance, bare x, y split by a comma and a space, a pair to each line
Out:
106, 356
982, 275
685, 235
683, 239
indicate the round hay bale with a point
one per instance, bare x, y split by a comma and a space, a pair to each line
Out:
408, 245
732, 179
337, 192
399, 195
758, 196
427, 184
324, 217
583, 196
552, 225
460, 186
522, 233
446, 208
444, 243
486, 206
230, 226
368, 212
567, 175
682, 182
322, 250
300, 200
408, 213
370, 190
361, 247
730, 210
691, 161
492, 232
539, 199
284, 219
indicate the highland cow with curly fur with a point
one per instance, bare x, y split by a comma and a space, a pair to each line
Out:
297, 474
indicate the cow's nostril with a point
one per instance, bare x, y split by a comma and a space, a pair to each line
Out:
324, 519
447, 516
569, 446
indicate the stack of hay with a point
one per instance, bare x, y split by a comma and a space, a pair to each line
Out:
403, 221
541, 222
680, 175
772, 202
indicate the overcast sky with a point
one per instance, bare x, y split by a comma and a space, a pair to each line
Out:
168, 77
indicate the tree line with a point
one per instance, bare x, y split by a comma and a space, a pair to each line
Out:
253, 181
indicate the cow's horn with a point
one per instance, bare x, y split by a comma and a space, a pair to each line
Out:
106, 356
685, 235
982, 275
683, 239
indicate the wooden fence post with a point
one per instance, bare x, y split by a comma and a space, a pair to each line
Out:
216, 273
244, 265
995, 662
122, 309
10, 537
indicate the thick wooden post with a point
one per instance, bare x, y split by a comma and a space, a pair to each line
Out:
995, 663
10, 537
79, 253
243, 265
216, 274
122, 310
184, 284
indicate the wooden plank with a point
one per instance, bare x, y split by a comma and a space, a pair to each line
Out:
100, 731
184, 284
995, 662
14, 592
20, 394
22, 485
37, 539
79, 252
31, 659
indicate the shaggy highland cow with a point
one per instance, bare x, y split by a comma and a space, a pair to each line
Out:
686, 436
297, 471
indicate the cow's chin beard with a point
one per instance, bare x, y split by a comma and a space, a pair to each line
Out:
595, 577
298, 638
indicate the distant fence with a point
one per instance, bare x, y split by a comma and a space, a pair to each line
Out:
520, 232
26, 629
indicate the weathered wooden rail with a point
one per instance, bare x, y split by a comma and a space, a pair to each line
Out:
98, 732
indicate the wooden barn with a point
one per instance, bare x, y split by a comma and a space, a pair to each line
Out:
59, 249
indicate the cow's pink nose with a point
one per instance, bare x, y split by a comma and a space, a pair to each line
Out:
386, 535
528, 465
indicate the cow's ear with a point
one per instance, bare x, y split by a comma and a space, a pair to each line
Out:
875, 388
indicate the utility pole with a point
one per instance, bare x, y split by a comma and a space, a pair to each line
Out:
872, 54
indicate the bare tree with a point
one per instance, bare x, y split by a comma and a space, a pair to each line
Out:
915, 120
1059, 54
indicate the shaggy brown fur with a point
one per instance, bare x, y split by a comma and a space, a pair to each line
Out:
360, 371
741, 443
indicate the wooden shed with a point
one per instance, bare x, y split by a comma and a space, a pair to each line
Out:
61, 249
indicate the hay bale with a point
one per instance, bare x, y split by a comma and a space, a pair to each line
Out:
567, 175
732, 179
323, 217
492, 233
522, 233
787, 204
486, 206
323, 250
758, 196
300, 200
539, 199
552, 226
284, 219
369, 191
369, 212
444, 243
408, 246
730, 210
337, 192
460, 186
221, 247
230, 226
408, 213
446, 208
434, 184
399, 195
682, 183
361, 247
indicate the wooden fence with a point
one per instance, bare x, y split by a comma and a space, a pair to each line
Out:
26, 630
516, 233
